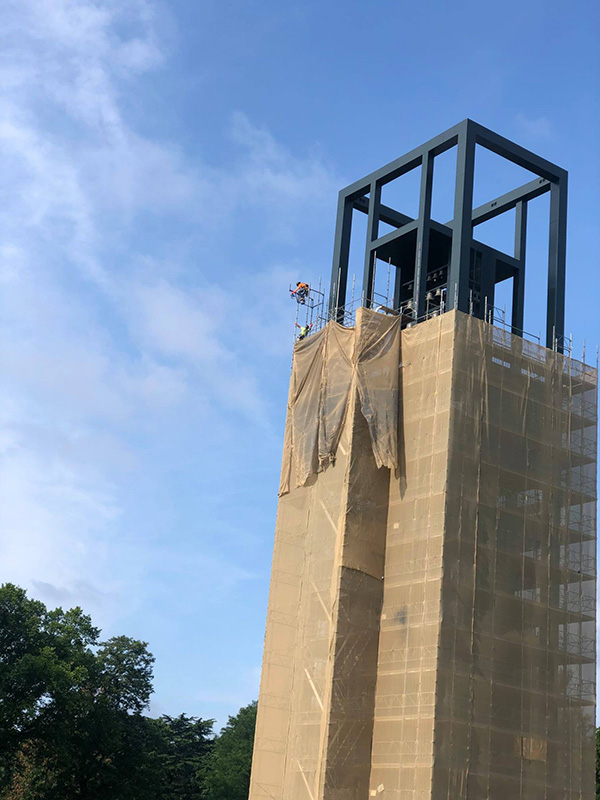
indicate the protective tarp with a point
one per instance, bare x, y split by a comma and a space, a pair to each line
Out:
318, 398
326, 367
404, 712
514, 713
431, 629
314, 726
377, 361
335, 389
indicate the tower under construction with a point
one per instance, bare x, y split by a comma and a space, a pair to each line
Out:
431, 623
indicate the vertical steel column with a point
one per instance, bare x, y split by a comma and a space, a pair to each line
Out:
422, 252
518, 299
488, 282
341, 253
372, 233
462, 230
555, 326
397, 288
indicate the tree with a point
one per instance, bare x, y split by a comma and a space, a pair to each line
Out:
125, 673
44, 656
70, 706
72, 724
227, 773
182, 746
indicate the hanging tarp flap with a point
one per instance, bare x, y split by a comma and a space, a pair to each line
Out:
335, 389
326, 368
305, 404
377, 371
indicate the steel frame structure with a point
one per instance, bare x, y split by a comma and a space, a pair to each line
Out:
414, 236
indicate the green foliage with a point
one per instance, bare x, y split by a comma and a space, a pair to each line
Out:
46, 662
71, 722
182, 745
125, 673
227, 774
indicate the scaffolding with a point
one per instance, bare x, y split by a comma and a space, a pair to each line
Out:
314, 314
310, 313
472, 661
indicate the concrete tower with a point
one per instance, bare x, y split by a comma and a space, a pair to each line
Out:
431, 622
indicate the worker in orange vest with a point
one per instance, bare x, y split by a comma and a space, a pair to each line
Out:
300, 292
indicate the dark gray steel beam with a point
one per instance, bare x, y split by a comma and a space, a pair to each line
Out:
423, 227
518, 300
388, 215
555, 323
458, 278
488, 280
446, 230
497, 255
467, 135
437, 145
389, 237
372, 231
506, 202
397, 288
501, 204
439, 226
341, 253
515, 153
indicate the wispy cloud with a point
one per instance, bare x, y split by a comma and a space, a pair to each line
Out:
101, 338
56, 525
186, 326
535, 127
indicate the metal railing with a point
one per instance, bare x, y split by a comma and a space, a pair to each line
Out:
526, 498
580, 407
577, 688
579, 444
310, 311
576, 561
436, 303
576, 482
578, 522
576, 602
576, 644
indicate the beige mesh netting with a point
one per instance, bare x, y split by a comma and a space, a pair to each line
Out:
319, 389
515, 688
326, 367
431, 631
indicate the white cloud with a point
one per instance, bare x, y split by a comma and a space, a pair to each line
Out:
272, 177
178, 323
98, 336
188, 327
56, 524
275, 174
535, 127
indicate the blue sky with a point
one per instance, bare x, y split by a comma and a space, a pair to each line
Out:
168, 168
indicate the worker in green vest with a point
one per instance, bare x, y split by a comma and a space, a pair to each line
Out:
304, 330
